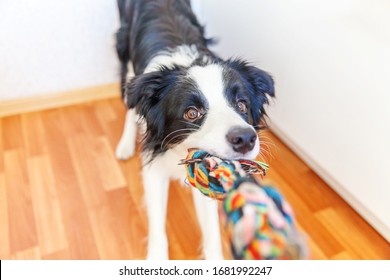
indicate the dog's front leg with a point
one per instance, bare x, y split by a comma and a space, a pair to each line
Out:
207, 212
156, 186
126, 145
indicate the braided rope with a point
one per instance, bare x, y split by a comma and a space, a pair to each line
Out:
213, 176
259, 222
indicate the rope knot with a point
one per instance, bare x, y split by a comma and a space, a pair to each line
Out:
214, 176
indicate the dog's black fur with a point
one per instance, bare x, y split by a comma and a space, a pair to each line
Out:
155, 26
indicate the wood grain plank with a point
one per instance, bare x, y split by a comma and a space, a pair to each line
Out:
119, 107
80, 237
32, 253
51, 232
314, 251
371, 236
113, 128
106, 231
104, 111
96, 175
81, 243
81, 118
1, 147
22, 224
138, 225
132, 170
111, 175
33, 134
4, 223
131, 220
56, 134
345, 256
12, 133
90, 121
70, 118
82, 147
58, 255
347, 233
90, 175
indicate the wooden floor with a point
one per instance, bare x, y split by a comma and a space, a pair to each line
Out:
63, 195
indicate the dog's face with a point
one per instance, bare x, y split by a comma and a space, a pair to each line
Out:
216, 107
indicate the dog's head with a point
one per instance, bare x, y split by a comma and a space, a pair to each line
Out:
216, 107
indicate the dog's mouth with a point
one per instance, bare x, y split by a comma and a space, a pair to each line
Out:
231, 155
196, 156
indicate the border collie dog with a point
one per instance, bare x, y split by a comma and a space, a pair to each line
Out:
184, 96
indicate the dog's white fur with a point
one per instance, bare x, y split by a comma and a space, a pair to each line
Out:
210, 137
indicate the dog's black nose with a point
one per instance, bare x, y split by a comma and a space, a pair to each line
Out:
242, 139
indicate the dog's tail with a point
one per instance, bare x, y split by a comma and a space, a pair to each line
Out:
122, 35
123, 49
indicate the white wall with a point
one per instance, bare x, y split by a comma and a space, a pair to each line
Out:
331, 63
49, 46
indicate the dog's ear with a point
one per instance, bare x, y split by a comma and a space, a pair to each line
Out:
147, 94
142, 91
261, 83
146, 90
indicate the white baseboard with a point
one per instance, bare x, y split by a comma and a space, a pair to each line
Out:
43, 102
334, 184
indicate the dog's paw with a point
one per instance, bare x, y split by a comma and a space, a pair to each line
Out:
125, 149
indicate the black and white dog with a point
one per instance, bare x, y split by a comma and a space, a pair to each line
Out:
186, 97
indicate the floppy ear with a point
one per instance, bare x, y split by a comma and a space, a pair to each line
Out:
145, 91
262, 81
142, 91
263, 89
147, 94
259, 84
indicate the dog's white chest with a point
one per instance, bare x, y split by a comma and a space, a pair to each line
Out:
168, 163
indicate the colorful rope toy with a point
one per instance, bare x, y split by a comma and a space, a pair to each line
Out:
259, 222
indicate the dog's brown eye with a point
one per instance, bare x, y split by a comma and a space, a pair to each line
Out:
242, 107
192, 114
